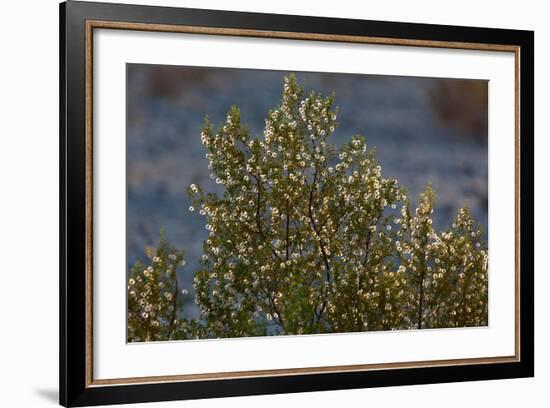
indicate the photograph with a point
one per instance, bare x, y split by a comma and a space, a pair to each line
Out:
268, 203
254, 204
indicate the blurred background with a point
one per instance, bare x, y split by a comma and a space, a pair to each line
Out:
424, 130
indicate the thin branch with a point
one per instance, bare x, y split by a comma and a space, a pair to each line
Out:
258, 217
287, 229
314, 226
275, 311
174, 304
369, 237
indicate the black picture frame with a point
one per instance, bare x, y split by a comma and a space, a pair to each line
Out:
75, 386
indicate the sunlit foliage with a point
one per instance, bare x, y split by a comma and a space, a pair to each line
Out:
309, 237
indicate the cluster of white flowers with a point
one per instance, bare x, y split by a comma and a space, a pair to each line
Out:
151, 291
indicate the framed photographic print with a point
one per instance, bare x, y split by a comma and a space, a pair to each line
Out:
255, 203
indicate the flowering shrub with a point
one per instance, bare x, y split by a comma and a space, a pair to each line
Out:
153, 295
310, 238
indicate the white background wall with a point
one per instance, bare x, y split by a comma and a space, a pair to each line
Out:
29, 204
